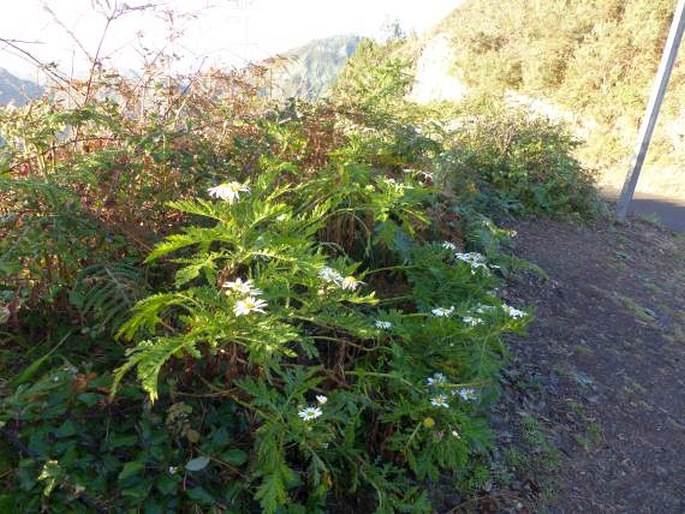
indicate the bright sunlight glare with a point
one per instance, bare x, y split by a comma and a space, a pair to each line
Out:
201, 33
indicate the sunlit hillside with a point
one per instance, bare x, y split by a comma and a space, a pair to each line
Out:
311, 70
590, 63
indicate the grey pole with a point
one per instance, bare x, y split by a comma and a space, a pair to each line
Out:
652, 112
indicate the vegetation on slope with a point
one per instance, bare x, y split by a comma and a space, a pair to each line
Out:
595, 58
210, 303
310, 71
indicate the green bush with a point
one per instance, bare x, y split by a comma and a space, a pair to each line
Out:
325, 380
309, 324
508, 161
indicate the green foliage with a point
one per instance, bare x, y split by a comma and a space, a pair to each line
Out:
592, 61
374, 79
508, 161
282, 311
574, 52
308, 323
81, 452
47, 236
83, 186
105, 292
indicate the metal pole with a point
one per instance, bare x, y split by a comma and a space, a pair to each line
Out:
652, 112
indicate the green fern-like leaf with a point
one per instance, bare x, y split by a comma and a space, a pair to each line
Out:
147, 313
149, 357
105, 292
276, 475
202, 263
200, 207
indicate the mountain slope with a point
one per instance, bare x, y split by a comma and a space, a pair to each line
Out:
15, 90
310, 70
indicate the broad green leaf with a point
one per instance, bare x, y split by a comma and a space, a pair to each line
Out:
197, 464
131, 469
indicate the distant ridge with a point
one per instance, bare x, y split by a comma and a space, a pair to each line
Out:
16, 90
310, 71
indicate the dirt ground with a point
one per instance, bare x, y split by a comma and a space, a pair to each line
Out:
592, 417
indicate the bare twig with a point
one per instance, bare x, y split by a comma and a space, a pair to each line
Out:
50, 70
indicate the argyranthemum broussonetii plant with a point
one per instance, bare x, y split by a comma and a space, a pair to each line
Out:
340, 386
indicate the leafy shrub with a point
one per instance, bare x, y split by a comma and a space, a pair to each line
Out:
308, 324
288, 321
332, 387
508, 161
82, 452
84, 181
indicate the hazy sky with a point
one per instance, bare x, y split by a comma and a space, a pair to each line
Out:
213, 32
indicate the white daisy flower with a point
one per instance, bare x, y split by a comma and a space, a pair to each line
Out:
383, 325
482, 309
350, 283
310, 413
242, 287
456, 434
436, 379
473, 259
466, 393
397, 186
471, 321
321, 399
229, 191
248, 305
512, 311
330, 275
440, 401
441, 312
449, 246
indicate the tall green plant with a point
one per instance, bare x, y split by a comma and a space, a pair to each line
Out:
330, 372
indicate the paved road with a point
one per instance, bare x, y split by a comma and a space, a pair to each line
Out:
669, 210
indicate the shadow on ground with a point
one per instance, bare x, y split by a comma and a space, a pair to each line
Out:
668, 211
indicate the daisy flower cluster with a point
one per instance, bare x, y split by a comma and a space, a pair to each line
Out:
466, 393
398, 187
383, 325
249, 301
438, 381
512, 311
311, 412
476, 319
471, 321
482, 308
474, 259
331, 276
228, 191
439, 400
441, 312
